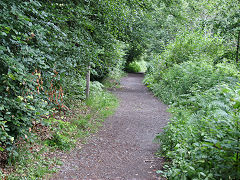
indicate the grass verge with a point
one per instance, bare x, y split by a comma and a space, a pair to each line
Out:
34, 156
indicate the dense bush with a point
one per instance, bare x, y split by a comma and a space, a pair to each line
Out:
187, 46
202, 139
190, 77
136, 66
45, 49
133, 67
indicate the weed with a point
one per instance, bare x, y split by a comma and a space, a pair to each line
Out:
30, 159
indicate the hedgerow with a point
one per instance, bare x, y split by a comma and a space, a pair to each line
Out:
46, 47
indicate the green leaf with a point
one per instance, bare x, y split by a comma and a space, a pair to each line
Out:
236, 105
11, 76
3, 34
1, 149
1, 107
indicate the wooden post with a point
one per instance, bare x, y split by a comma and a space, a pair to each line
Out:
88, 82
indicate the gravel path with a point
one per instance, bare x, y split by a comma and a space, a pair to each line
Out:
123, 147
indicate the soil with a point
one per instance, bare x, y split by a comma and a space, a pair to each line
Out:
123, 148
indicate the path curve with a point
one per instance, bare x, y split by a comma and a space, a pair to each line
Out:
123, 148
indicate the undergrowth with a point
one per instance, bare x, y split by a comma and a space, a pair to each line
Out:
136, 66
34, 156
202, 140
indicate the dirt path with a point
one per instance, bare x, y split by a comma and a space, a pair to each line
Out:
123, 147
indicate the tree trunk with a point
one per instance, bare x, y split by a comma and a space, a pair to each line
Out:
237, 53
88, 82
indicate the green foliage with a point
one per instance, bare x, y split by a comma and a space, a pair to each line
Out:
187, 62
133, 67
191, 77
74, 90
103, 102
143, 65
30, 164
170, 18
96, 87
45, 49
202, 139
191, 46
46, 46
137, 66
194, 75
64, 132
112, 79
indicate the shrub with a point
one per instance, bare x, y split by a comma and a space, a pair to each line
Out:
137, 66
188, 46
45, 49
189, 77
133, 67
202, 139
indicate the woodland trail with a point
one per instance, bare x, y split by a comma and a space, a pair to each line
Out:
123, 148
